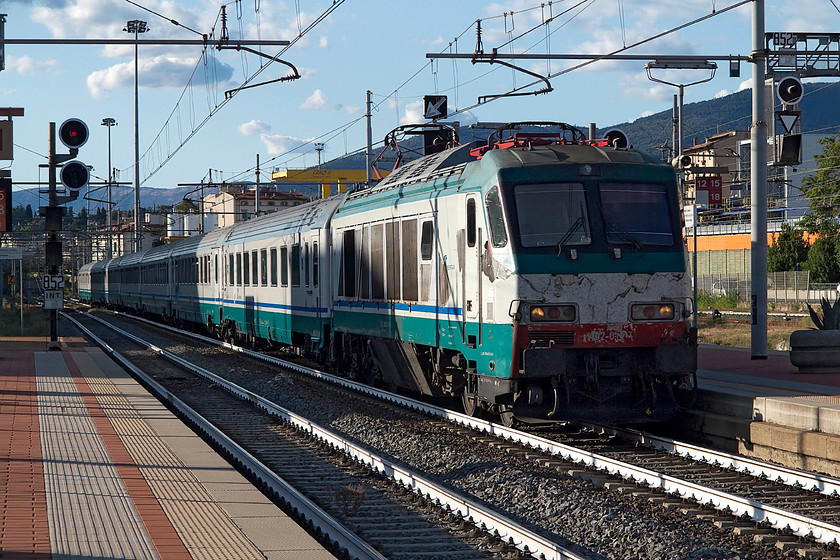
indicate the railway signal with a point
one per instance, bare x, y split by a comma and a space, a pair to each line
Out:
74, 175
73, 133
789, 90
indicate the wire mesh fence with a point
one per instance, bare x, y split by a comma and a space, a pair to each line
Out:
793, 287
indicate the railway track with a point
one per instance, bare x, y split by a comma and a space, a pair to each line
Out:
646, 482
330, 479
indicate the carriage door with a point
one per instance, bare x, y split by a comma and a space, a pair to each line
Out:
472, 275
218, 270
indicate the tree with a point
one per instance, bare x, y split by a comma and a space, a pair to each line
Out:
822, 189
789, 251
186, 206
822, 260
28, 215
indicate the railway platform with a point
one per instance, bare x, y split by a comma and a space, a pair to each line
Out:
766, 409
93, 466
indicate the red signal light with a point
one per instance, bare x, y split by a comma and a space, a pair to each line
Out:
73, 133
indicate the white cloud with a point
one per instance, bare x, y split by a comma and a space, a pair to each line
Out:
314, 101
254, 127
278, 144
323, 43
643, 115
159, 71
413, 113
746, 84
722, 93
353, 109
27, 66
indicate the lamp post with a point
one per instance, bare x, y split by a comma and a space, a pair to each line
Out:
678, 145
136, 26
109, 122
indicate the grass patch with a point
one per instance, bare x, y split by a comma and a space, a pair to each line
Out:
707, 300
737, 332
35, 322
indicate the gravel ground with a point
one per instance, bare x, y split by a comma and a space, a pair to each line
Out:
604, 524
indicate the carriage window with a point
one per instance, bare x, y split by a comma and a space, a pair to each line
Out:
637, 213
255, 268
295, 265
273, 254
471, 233
495, 217
246, 267
348, 265
284, 266
263, 267
552, 214
427, 240
216, 266
238, 269
231, 268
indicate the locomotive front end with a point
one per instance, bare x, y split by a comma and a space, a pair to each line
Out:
600, 297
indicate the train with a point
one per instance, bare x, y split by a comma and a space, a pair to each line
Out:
539, 277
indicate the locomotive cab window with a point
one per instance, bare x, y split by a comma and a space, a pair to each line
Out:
637, 213
495, 218
552, 214
427, 240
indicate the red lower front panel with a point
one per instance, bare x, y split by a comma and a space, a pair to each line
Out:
595, 335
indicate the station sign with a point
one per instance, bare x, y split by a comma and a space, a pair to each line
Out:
53, 285
53, 299
709, 190
53, 281
434, 106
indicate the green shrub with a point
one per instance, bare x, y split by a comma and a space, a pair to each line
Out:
706, 299
830, 319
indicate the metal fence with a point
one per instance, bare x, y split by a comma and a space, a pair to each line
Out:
782, 287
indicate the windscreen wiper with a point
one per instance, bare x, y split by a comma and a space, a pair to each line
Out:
580, 222
613, 226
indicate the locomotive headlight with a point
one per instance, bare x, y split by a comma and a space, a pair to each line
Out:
553, 313
652, 312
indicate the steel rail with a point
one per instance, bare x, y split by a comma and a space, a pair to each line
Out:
784, 475
522, 538
343, 537
758, 512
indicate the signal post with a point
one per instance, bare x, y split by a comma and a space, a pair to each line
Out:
74, 175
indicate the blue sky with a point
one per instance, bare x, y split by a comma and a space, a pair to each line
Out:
363, 45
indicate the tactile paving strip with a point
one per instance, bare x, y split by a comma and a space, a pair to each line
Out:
91, 512
205, 529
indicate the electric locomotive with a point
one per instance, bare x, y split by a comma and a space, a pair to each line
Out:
539, 276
